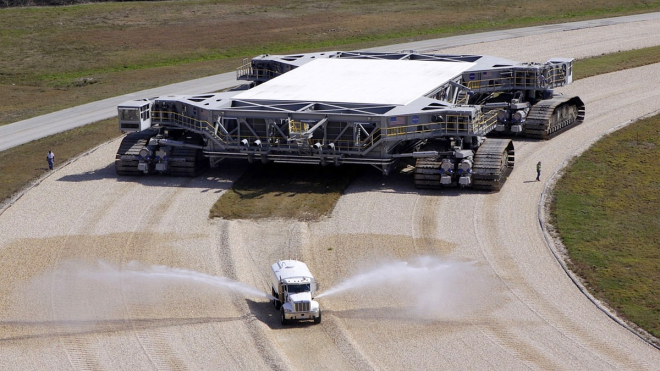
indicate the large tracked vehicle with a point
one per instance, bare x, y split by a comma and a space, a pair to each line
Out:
438, 112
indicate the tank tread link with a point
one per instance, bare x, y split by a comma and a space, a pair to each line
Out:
493, 163
183, 161
427, 173
188, 162
127, 158
548, 118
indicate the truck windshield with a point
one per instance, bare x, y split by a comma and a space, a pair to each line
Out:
298, 288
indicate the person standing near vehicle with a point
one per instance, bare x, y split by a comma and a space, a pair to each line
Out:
50, 157
538, 171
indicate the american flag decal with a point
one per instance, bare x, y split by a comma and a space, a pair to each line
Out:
397, 120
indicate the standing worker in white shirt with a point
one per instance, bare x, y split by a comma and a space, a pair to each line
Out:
50, 157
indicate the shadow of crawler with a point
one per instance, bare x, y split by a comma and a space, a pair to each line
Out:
213, 179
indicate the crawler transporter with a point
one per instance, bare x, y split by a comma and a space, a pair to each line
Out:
452, 117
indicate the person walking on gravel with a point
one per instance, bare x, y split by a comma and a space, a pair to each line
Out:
50, 157
538, 172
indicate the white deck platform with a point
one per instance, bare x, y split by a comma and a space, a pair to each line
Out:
388, 82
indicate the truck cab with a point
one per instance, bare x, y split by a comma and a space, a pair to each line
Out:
293, 288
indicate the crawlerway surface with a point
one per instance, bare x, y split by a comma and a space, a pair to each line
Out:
533, 318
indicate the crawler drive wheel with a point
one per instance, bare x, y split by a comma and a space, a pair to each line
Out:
318, 319
283, 319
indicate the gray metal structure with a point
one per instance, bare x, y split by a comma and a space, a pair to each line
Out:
379, 109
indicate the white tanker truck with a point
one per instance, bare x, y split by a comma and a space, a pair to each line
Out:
293, 286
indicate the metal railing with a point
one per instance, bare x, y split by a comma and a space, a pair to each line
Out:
556, 76
453, 124
185, 121
462, 98
169, 117
298, 126
245, 71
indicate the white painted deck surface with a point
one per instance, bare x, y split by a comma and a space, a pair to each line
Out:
396, 82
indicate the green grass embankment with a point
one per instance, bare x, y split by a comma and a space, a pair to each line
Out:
607, 211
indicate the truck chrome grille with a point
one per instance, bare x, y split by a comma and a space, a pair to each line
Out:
302, 306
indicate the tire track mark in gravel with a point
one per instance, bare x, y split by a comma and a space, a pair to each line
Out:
336, 330
424, 221
429, 218
333, 327
429, 221
408, 234
254, 247
112, 198
77, 349
508, 272
500, 229
229, 238
160, 342
505, 338
153, 343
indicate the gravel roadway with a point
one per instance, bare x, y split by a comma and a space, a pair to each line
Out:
72, 299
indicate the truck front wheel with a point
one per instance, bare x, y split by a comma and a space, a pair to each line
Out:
318, 319
283, 318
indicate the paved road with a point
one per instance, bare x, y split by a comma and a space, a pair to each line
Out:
24, 131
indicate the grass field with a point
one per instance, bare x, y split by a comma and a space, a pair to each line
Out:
606, 209
616, 62
69, 55
284, 191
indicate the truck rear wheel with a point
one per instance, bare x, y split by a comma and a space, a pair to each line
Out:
276, 302
283, 318
317, 320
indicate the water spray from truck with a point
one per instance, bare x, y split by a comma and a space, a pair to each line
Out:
426, 287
